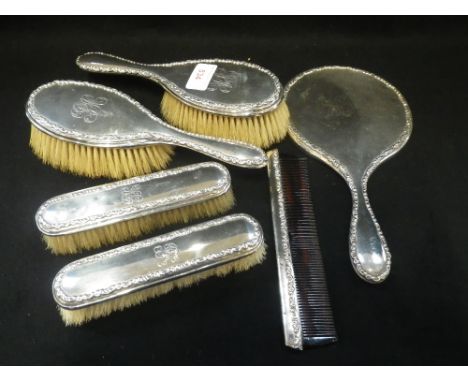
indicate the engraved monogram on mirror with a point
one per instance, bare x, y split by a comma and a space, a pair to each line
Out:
131, 194
90, 108
224, 80
166, 254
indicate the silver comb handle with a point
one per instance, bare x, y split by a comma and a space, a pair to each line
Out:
369, 252
232, 152
107, 63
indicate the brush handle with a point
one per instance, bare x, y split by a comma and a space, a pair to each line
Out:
232, 152
369, 252
107, 63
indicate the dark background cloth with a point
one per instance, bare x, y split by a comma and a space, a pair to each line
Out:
418, 316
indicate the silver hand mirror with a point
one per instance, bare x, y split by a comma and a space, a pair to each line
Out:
353, 121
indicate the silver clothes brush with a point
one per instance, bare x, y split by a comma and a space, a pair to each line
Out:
117, 211
353, 121
96, 286
97, 131
305, 304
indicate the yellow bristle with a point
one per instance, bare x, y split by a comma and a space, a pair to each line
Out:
94, 162
130, 229
262, 131
81, 316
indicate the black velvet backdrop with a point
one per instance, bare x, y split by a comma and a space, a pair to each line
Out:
418, 316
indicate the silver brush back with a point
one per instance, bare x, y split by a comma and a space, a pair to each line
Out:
156, 261
136, 197
306, 309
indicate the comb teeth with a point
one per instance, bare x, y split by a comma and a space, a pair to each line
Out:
315, 311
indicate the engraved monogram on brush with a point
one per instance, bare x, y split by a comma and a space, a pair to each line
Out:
166, 254
131, 194
224, 81
90, 108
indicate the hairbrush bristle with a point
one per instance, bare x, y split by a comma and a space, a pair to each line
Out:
262, 131
95, 162
83, 315
130, 229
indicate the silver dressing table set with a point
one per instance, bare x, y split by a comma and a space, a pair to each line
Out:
350, 119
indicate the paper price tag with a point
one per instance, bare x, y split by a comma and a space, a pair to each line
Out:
201, 76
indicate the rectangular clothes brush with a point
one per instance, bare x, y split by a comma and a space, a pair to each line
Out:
305, 304
98, 285
122, 210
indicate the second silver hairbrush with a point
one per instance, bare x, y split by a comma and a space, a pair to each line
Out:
98, 116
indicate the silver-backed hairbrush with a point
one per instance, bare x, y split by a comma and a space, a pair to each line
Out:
125, 209
217, 97
98, 285
95, 130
